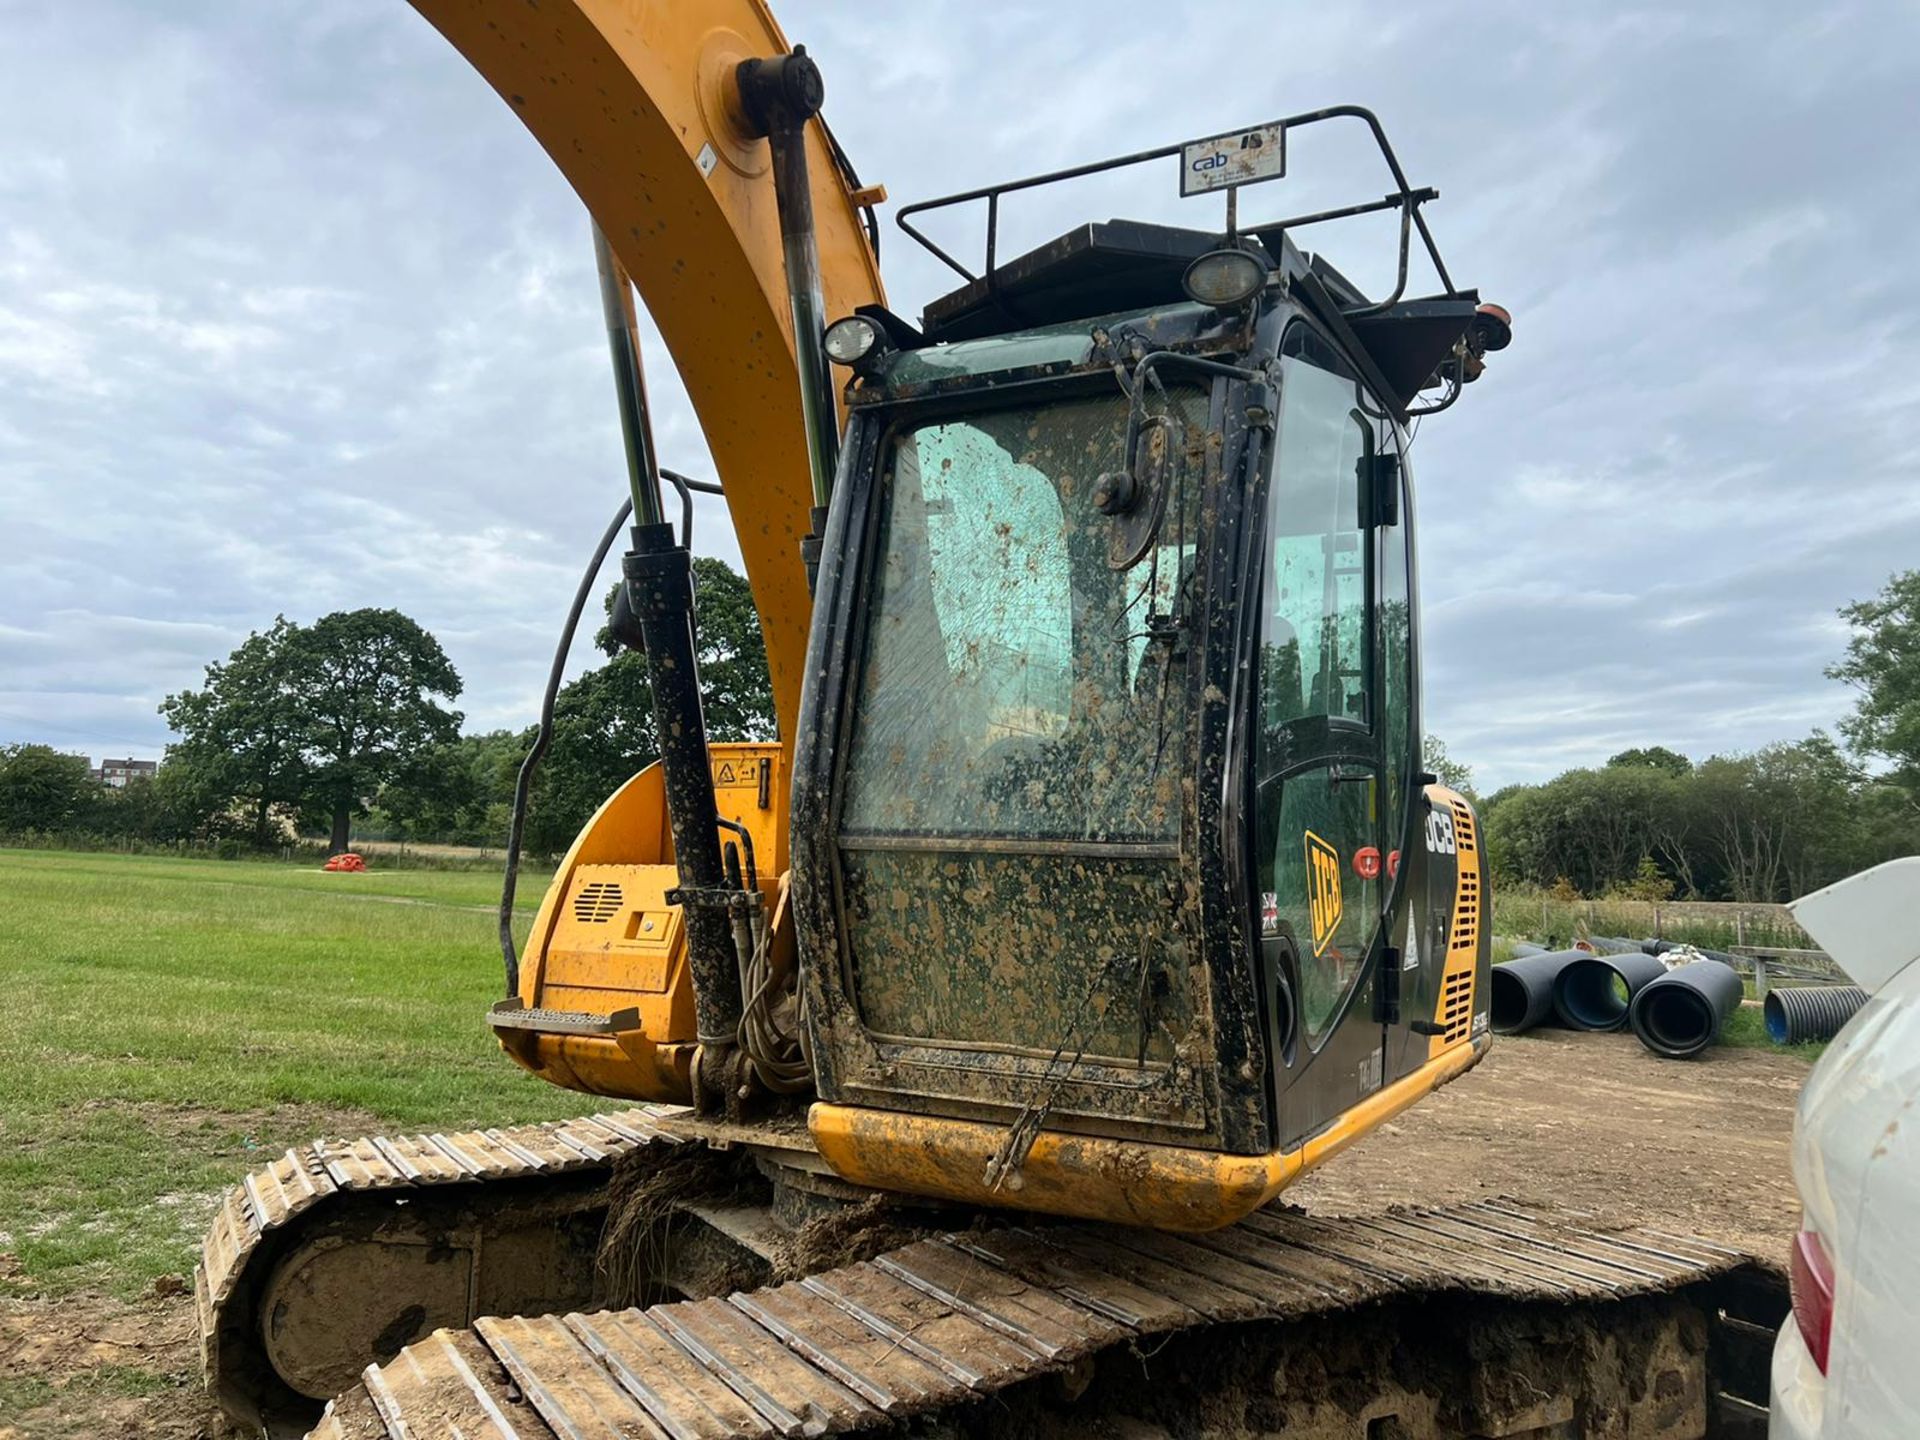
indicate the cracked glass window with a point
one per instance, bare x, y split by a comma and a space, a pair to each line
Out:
1017, 681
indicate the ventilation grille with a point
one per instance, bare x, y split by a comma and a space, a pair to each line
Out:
1466, 908
1456, 1005
1463, 831
597, 902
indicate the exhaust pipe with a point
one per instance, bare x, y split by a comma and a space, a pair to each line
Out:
1595, 991
1681, 1013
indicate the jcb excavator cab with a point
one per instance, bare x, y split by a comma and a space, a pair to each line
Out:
1120, 888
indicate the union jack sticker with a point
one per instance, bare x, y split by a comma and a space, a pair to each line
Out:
1269, 913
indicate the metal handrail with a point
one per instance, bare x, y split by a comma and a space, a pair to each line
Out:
1404, 198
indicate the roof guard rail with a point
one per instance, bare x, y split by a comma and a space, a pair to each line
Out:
1403, 198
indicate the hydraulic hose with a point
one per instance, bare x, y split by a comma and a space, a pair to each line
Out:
1682, 1012
523, 783
1796, 1014
1595, 991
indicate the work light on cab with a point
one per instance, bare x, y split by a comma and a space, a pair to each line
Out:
1224, 278
852, 340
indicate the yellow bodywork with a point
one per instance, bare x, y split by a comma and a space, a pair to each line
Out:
606, 942
1453, 1010
1164, 1187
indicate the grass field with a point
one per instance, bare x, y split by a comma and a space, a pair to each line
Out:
171, 1023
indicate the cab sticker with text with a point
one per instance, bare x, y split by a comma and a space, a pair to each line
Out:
1323, 891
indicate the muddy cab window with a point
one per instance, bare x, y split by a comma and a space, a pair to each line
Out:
1019, 678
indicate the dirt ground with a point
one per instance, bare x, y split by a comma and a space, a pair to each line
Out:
1595, 1124
88, 1366
1585, 1123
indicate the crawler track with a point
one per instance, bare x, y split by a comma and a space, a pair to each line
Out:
292, 1270
918, 1335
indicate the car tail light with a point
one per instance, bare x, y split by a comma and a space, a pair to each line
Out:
1812, 1278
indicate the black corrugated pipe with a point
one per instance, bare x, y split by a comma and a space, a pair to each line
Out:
1796, 1014
1523, 990
1524, 948
1656, 947
1682, 1012
1593, 992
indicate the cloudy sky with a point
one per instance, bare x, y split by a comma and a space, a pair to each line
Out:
294, 316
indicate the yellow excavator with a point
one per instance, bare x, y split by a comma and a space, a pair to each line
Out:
1092, 893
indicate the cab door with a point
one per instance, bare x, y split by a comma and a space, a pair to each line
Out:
1322, 782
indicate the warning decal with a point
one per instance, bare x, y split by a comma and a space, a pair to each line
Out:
1323, 891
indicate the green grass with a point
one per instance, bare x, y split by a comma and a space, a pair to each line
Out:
1747, 1028
171, 1023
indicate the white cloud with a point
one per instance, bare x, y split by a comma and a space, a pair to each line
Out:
294, 315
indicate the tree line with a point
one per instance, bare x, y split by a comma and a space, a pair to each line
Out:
1766, 826
311, 728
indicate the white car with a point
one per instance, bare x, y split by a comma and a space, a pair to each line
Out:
1847, 1363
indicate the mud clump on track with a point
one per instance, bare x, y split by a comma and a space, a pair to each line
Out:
647, 1187
848, 1236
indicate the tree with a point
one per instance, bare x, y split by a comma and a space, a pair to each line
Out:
1452, 773
603, 721
42, 789
460, 792
1654, 757
244, 733
1883, 664
368, 681
314, 718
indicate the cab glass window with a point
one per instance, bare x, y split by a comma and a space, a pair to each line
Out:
1020, 678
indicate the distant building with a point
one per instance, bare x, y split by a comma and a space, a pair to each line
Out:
118, 772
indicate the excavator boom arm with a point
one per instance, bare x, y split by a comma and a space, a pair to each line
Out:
639, 106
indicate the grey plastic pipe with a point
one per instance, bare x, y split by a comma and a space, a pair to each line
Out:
1595, 991
1682, 1012
1522, 990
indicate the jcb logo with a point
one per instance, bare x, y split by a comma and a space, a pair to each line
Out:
1323, 891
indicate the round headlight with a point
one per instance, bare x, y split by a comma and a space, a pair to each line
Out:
1223, 278
851, 340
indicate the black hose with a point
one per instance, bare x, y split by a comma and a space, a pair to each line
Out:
686, 487
1682, 1012
524, 783
1594, 992
1522, 990
1796, 1014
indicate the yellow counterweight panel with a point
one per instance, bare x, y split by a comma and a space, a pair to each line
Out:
605, 941
1453, 1011
1163, 1187
636, 102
